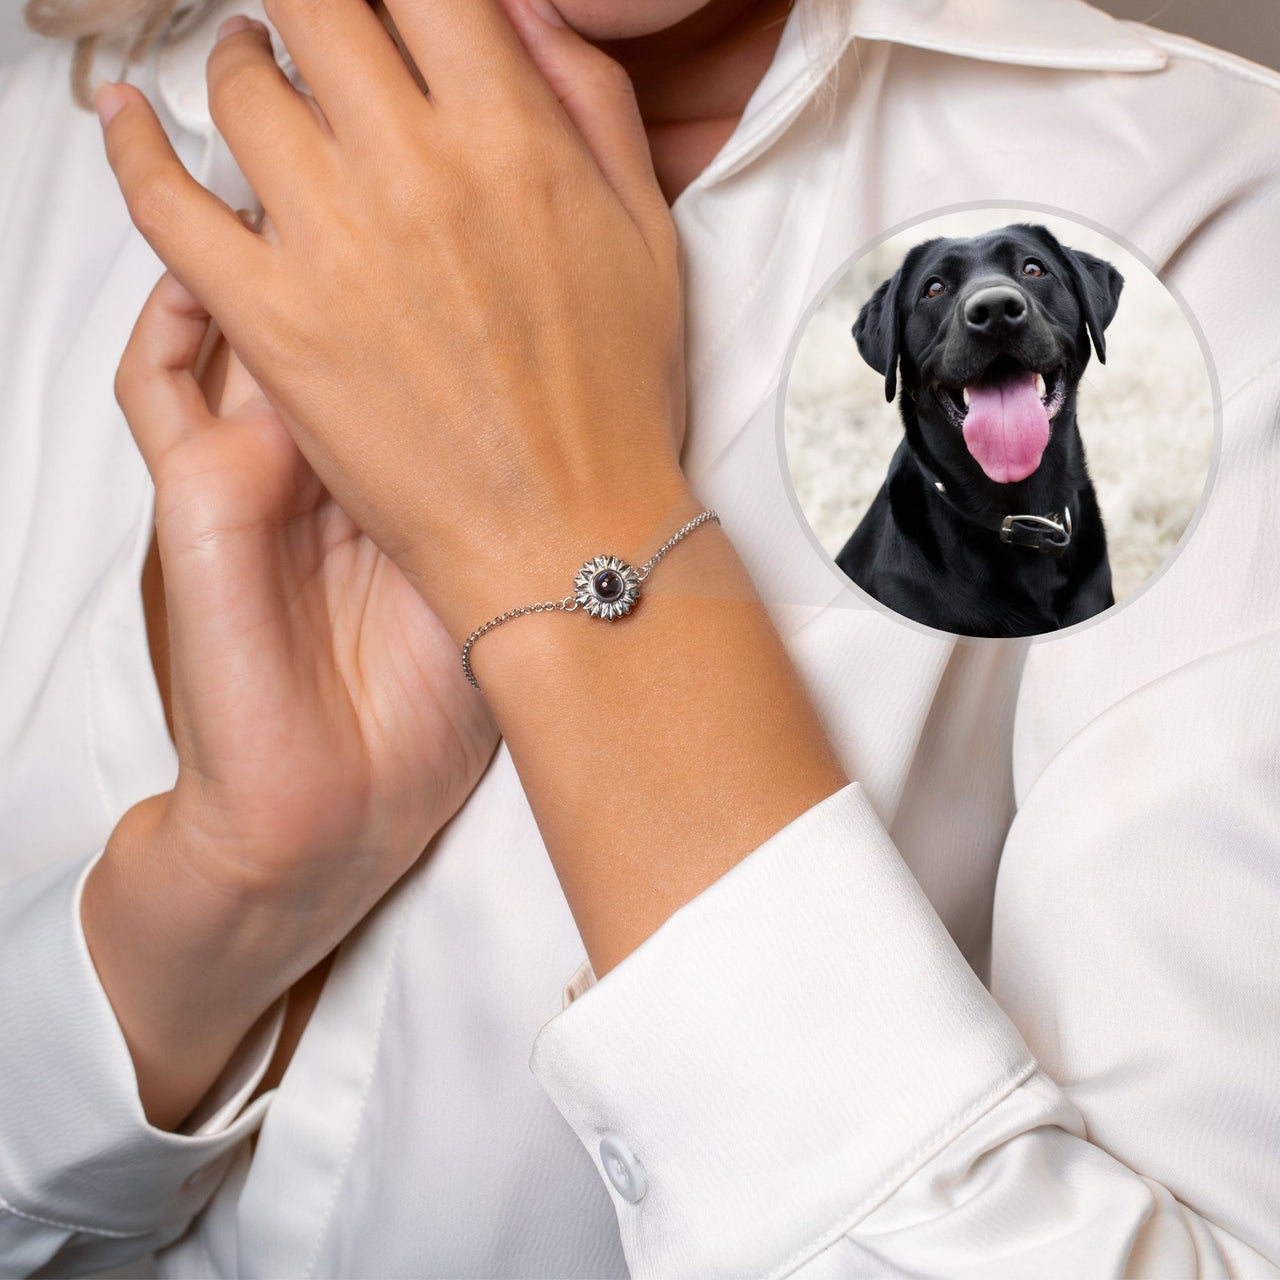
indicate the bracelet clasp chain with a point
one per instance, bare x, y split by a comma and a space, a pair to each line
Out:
605, 587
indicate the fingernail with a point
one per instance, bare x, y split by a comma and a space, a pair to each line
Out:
107, 101
237, 22
547, 12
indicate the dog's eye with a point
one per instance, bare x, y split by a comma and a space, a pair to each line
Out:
934, 287
1032, 268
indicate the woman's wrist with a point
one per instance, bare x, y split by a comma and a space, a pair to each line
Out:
659, 749
488, 576
188, 966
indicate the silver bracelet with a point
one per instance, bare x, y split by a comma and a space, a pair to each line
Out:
606, 587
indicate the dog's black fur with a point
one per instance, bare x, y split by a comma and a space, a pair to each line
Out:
936, 558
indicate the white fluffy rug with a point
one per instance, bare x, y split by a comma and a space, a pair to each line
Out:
1146, 416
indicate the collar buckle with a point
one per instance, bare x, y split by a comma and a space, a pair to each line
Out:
1044, 534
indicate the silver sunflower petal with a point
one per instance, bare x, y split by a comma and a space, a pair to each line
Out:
606, 587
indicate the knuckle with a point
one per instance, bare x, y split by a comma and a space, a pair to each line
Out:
523, 158
600, 76
130, 384
408, 203
497, 162
609, 74
286, 12
281, 330
125, 382
536, 152
663, 234
414, 195
237, 88
153, 201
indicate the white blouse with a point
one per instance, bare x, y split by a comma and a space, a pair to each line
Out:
1006, 1006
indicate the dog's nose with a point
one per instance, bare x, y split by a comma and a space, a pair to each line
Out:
997, 310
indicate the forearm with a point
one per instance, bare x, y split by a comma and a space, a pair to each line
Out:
660, 749
188, 968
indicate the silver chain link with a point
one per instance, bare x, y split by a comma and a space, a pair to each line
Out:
647, 568
570, 602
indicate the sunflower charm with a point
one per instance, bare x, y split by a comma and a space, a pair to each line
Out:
606, 587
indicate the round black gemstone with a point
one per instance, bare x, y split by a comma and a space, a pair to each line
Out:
608, 585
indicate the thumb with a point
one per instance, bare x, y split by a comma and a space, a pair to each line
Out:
597, 96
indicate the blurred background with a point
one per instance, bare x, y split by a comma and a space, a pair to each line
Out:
1250, 28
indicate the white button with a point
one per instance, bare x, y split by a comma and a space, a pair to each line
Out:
622, 1168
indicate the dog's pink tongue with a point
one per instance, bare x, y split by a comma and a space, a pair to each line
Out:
1006, 427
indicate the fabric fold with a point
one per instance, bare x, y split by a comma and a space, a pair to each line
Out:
811, 988
128, 1177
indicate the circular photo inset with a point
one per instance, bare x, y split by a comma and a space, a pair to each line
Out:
999, 422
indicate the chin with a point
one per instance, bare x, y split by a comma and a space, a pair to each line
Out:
625, 19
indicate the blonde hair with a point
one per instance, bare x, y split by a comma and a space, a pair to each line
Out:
138, 23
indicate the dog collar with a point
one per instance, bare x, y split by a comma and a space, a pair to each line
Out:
1050, 534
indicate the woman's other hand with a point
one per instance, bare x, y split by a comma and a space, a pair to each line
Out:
324, 728
472, 322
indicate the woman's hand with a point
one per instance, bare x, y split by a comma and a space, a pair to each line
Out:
472, 329
324, 728
471, 323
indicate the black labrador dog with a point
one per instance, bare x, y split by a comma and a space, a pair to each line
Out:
987, 524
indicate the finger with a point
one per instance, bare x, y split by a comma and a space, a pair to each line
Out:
239, 387
156, 384
196, 235
598, 97
228, 387
405, 56
349, 62
276, 138
467, 51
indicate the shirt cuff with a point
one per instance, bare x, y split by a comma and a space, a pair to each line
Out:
76, 1149
780, 1055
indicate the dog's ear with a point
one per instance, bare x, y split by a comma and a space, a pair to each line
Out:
1097, 284
876, 332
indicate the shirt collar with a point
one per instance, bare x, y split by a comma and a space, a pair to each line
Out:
1066, 34
1063, 34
